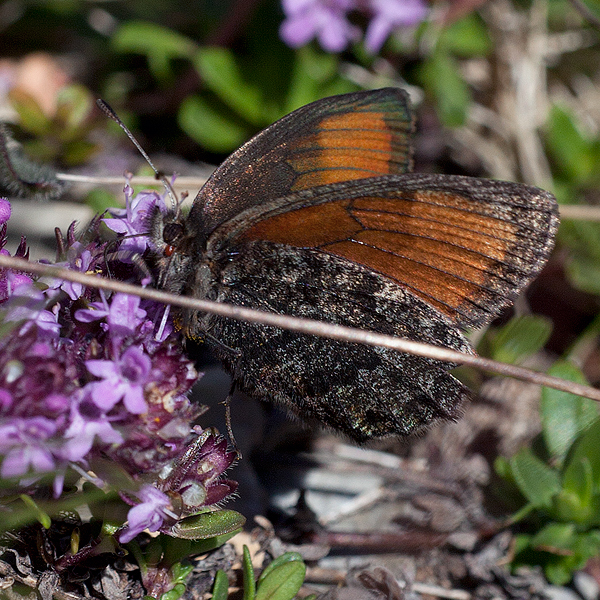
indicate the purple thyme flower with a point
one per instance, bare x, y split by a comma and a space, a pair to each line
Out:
133, 220
327, 21
323, 19
77, 260
95, 311
26, 303
9, 279
87, 423
123, 378
389, 15
54, 417
149, 514
124, 315
6, 400
23, 442
196, 474
5, 210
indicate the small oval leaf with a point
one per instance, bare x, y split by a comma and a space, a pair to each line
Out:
221, 586
208, 525
280, 560
564, 415
283, 582
538, 482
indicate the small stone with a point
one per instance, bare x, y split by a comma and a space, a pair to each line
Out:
556, 592
586, 585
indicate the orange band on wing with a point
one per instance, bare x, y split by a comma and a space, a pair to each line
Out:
351, 146
457, 254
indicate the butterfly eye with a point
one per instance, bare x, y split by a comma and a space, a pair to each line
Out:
173, 234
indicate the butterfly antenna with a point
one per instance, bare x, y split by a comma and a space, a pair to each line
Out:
109, 112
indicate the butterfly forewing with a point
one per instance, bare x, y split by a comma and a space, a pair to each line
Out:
336, 139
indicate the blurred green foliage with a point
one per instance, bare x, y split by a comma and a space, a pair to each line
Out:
238, 99
520, 338
558, 481
62, 138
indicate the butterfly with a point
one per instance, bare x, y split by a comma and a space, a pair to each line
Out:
319, 216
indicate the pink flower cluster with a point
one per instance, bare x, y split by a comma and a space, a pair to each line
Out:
87, 377
327, 20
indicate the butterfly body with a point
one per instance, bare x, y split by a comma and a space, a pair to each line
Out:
317, 217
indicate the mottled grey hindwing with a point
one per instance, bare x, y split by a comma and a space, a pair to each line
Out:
363, 391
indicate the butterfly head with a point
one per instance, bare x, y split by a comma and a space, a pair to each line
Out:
172, 247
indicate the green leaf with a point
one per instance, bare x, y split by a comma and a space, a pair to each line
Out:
312, 71
201, 546
520, 337
575, 502
74, 107
567, 550
180, 572
466, 37
41, 515
175, 593
583, 238
521, 542
204, 123
585, 448
538, 482
221, 586
31, 115
584, 273
558, 536
208, 525
442, 79
280, 560
576, 153
283, 582
578, 480
157, 43
222, 75
564, 416
248, 573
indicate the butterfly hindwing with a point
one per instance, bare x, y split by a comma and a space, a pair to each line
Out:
364, 391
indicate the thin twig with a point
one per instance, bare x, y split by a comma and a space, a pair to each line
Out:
579, 212
194, 183
305, 326
567, 211
576, 212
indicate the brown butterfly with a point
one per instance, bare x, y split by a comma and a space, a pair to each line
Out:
318, 216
